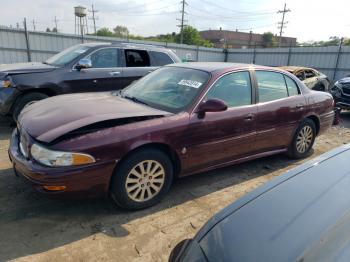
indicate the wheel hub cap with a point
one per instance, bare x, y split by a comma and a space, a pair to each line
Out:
304, 139
145, 180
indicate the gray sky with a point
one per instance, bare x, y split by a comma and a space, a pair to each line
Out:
309, 19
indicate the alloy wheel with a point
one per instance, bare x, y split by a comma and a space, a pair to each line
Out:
304, 139
145, 180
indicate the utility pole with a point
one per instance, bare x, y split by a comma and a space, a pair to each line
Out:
182, 25
282, 24
26, 34
56, 21
93, 11
33, 25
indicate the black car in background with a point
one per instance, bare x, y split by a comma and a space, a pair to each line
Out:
82, 68
341, 93
303, 215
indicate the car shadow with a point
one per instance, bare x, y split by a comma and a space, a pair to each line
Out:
6, 126
33, 223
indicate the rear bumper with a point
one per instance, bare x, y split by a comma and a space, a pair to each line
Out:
85, 181
326, 121
8, 97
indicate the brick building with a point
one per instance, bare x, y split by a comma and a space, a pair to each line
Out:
236, 39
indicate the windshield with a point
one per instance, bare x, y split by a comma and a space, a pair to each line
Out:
67, 55
169, 88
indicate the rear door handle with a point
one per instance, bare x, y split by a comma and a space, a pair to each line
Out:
115, 73
249, 117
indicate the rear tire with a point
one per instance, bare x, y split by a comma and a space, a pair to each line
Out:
303, 140
24, 101
142, 179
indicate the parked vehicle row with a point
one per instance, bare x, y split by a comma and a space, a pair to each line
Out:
81, 68
179, 120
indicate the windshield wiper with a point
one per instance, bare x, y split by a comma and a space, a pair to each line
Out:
134, 99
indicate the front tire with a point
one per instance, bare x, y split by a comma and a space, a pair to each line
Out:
24, 101
303, 140
142, 179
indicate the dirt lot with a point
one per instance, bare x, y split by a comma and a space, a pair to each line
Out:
34, 228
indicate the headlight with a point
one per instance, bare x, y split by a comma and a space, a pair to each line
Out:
56, 158
5, 83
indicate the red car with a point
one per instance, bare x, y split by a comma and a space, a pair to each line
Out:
179, 120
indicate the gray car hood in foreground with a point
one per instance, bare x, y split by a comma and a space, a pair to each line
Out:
51, 118
303, 215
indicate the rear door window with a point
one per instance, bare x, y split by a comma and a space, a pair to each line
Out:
271, 86
292, 86
160, 58
136, 58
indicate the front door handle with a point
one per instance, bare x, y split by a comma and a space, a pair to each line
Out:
249, 117
115, 73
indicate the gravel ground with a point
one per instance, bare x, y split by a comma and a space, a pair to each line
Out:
34, 228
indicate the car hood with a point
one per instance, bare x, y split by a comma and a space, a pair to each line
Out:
344, 80
54, 117
25, 68
309, 203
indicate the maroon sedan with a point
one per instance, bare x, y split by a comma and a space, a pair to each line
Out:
179, 120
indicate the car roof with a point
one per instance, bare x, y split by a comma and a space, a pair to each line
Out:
126, 45
220, 66
285, 219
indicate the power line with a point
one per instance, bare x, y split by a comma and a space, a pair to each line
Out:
183, 12
136, 6
93, 11
282, 23
238, 16
149, 10
234, 11
165, 13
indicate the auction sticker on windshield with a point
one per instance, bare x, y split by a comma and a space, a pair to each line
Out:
190, 83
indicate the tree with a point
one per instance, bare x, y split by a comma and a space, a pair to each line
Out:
333, 41
104, 31
346, 41
269, 40
48, 30
121, 31
54, 30
191, 36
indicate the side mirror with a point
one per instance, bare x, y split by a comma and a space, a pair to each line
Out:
83, 64
212, 105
